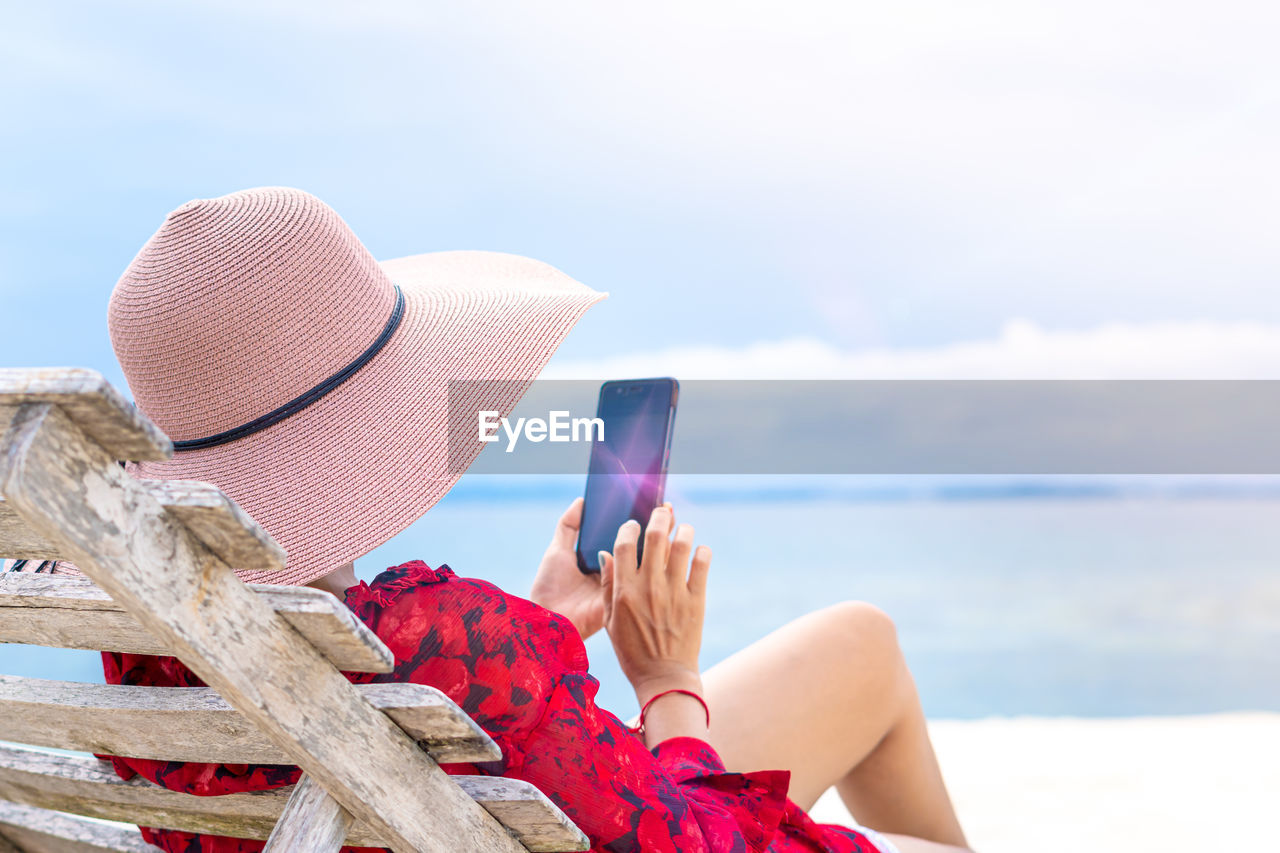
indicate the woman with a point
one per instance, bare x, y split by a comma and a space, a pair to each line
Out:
315, 386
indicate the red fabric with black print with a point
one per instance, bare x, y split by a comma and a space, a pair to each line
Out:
521, 672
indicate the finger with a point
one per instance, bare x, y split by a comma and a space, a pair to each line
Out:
657, 543
624, 556
681, 545
606, 585
698, 571
671, 510
567, 527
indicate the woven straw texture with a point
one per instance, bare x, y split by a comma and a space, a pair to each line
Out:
239, 304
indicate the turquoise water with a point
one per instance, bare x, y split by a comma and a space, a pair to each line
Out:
1093, 604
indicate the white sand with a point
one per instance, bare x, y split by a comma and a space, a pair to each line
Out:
1031, 785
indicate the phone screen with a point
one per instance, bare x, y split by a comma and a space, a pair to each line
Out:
628, 469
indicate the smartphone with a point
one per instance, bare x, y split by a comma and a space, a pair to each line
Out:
628, 469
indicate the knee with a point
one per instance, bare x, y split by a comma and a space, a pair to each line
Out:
860, 628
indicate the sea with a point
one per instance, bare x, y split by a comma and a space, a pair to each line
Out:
1083, 597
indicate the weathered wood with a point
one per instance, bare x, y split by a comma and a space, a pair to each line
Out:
71, 490
91, 403
196, 724
35, 830
312, 821
74, 613
87, 786
330, 626
211, 516
17, 539
220, 523
535, 821
108, 630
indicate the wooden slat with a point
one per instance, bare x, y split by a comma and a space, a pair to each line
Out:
196, 724
526, 812
72, 612
330, 626
84, 785
207, 512
92, 404
87, 786
35, 830
220, 523
312, 821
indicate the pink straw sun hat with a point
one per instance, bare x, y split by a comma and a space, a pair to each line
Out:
312, 383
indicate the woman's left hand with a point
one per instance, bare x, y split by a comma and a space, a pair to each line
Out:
560, 586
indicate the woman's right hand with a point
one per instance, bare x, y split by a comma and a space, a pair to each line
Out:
654, 612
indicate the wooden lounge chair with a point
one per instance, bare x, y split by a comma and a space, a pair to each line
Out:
157, 561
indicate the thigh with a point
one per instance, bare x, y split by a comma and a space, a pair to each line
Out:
814, 697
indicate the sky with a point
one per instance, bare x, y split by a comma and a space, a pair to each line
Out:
913, 189
990, 189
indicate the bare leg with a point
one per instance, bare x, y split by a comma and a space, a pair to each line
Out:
829, 697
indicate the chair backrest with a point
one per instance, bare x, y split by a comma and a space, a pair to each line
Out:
156, 559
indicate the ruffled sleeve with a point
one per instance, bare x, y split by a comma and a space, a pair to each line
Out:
626, 798
755, 802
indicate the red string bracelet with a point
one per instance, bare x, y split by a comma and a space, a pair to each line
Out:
638, 728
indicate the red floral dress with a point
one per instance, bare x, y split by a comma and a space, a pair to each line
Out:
521, 672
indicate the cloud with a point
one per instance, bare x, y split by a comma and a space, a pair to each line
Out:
908, 170
1023, 350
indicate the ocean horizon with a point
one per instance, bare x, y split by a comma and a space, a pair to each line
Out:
1082, 597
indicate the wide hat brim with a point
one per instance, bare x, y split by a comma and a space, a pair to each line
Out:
347, 473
